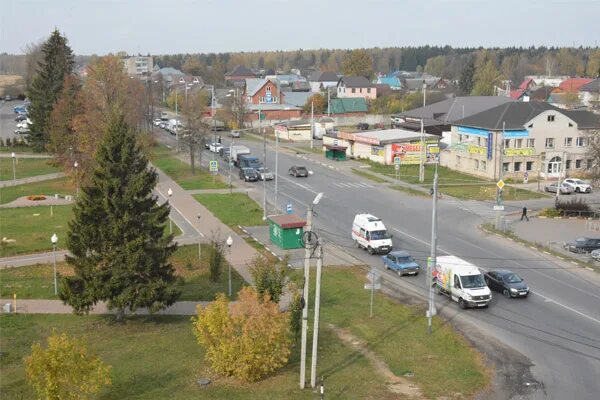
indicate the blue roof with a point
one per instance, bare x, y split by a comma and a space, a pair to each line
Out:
393, 81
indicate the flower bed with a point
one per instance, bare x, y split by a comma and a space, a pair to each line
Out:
36, 197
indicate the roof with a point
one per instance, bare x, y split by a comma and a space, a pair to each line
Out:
300, 86
525, 84
348, 105
240, 70
170, 71
253, 85
297, 99
515, 115
574, 84
323, 76
593, 86
384, 136
355, 82
288, 221
541, 94
392, 81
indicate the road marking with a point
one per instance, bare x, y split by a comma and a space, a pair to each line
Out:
298, 184
420, 240
574, 263
180, 214
567, 307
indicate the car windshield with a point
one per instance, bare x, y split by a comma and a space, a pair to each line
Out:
512, 278
581, 240
379, 235
472, 281
264, 170
300, 169
404, 260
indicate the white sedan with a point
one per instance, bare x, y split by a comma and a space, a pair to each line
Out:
215, 147
578, 185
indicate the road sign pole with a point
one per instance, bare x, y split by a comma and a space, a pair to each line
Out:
372, 291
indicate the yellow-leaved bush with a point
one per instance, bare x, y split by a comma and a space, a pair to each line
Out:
65, 370
248, 339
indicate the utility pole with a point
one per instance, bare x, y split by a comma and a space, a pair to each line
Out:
421, 160
432, 261
277, 166
176, 120
328, 102
499, 191
307, 245
214, 121
313, 360
264, 163
229, 161
312, 123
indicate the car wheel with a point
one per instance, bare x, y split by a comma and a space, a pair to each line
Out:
437, 289
416, 273
506, 293
357, 244
462, 303
400, 272
577, 190
386, 266
370, 250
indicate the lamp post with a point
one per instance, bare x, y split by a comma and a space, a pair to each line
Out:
199, 241
54, 240
229, 243
76, 165
170, 193
14, 159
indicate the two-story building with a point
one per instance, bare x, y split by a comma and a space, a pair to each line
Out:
356, 86
264, 96
522, 137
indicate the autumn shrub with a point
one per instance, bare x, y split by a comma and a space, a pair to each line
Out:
248, 339
216, 259
64, 370
269, 278
295, 308
36, 197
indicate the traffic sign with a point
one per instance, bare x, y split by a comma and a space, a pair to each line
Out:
498, 208
397, 167
335, 142
288, 208
374, 286
213, 166
397, 160
500, 184
374, 275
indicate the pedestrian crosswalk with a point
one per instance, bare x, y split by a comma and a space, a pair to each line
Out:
355, 185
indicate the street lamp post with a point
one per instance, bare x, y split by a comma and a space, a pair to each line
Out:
54, 240
229, 243
170, 193
14, 159
76, 165
199, 241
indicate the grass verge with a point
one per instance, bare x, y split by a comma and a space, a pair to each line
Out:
165, 160
25, 167
369, 176
410, 174
443, 363
158, 358
488, 192
233, 209
411, 191
62, 186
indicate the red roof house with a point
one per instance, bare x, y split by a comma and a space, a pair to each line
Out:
573, 84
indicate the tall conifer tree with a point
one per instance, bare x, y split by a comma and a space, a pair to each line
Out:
117, 241
57, 62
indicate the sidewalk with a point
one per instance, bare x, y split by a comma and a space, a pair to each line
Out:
31, 179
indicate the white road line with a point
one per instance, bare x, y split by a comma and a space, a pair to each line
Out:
181, 214
420, 240
298, 184
548, 299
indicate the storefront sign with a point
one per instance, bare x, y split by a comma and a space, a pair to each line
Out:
377, 151
410, 152
473, 149
516, 134
528, 151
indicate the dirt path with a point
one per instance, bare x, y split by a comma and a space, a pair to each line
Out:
396, 384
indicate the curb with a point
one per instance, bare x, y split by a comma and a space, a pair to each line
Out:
261, 243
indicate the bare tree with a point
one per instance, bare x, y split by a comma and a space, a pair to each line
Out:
196, 129
33, 56
235, 108
593, 154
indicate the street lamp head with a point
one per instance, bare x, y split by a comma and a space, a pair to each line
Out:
318, 199
76, 164
229, 241
170, 192
54, 239
13, 155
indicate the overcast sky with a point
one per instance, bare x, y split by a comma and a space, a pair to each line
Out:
190, 26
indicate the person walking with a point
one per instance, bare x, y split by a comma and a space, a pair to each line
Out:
524, 214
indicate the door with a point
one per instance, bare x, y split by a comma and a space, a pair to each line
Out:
555, 165
456, 288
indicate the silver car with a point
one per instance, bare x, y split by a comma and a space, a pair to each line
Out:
264, 174
564, 188
595, 255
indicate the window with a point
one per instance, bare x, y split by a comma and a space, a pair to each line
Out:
580, 142
550, 118
518, 143
506, 143
568, 142
529, 166
360, 90
568, 164
578, 164
476, 162
530, 142
456, 282
478, 141
589, 163
484, 165
368, 90
505, 167
549, 143
518, 166
570, 125
530, 126
353, 90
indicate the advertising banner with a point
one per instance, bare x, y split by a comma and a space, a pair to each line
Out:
527, 151
410, 152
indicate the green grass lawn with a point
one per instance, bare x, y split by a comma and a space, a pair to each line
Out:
25, 167
158, 358
165, 160
18, 149
233, 209
443, 363
410, 191
32, 228
36, 281
488, 192
410, 174
368, 175
62, 186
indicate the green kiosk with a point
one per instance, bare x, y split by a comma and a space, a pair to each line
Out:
286, 231
334, 152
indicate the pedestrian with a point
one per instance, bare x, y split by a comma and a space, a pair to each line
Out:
524, 214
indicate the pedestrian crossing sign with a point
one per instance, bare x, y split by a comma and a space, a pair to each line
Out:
213, 166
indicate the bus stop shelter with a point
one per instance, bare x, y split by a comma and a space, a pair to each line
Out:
286, 231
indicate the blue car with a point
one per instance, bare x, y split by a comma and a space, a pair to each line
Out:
401, 262
20, 110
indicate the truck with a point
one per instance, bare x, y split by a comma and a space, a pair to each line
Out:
174, 125
369, 233
249, 161
236, 151
462, 281
164, 116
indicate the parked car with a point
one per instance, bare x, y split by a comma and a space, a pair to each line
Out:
401, 262
7, 98
578, 185
21, 117
20, 109
564, 188
362, 126
215, 147
224, 151
21, 131
506, 282
234, 134
595, 255
265, 174
162, 125
248, 175
298, 171
157, 122
583, 245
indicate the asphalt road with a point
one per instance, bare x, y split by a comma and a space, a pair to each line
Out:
7, 119
557, 327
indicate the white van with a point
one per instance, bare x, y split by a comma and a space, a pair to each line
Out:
368, 232
461, 281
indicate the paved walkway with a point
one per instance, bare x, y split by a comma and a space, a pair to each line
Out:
32, 179
8, 154
25, 202
57, 307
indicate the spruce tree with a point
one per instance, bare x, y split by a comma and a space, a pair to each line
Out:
57, 61
119, 250
466, 81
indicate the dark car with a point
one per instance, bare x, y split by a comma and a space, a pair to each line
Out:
21, 117
298, 171
506, 282
248, 175
583, 245
362, 126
